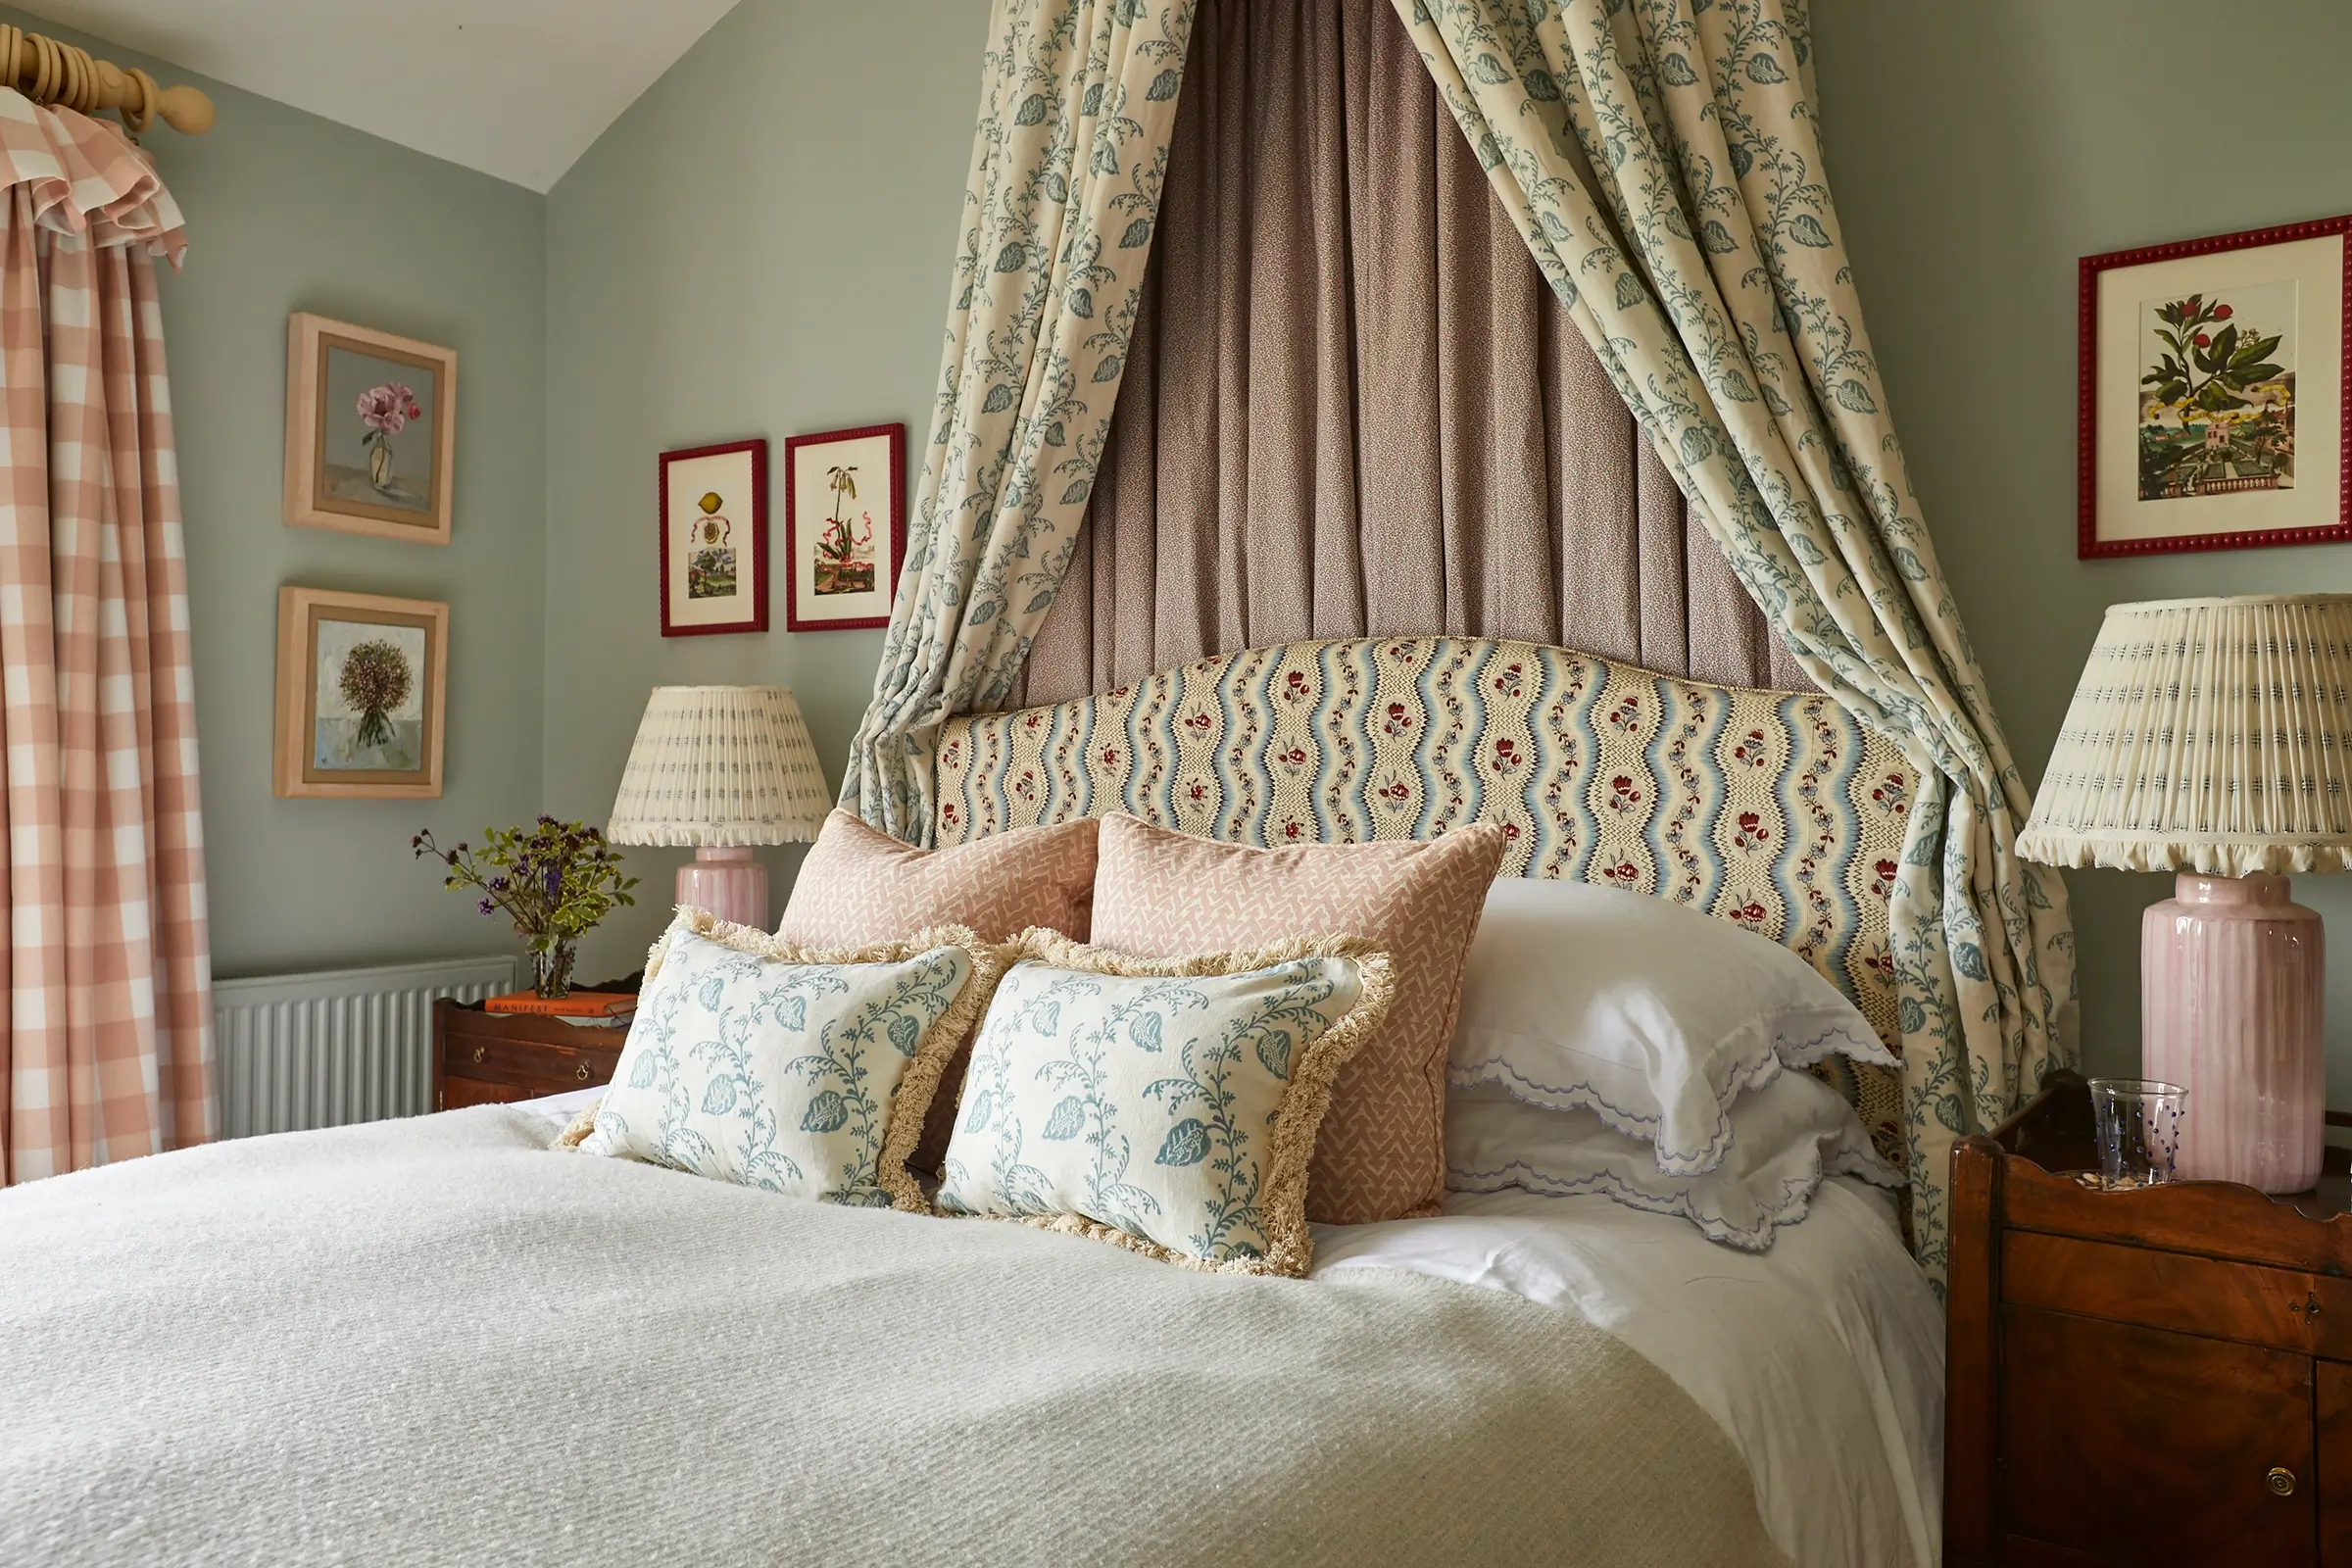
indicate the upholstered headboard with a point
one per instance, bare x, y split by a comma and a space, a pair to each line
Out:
1773, 809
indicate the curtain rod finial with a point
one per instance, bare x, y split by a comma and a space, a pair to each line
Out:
185, 109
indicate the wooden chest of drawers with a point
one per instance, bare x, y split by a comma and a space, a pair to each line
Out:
486, 1058
2156, 1377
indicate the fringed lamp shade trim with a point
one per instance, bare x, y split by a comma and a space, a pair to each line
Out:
2207, 735
721, 766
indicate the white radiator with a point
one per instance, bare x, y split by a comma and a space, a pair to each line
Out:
339, 1045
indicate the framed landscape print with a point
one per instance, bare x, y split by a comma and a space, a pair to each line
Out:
715, 539
844, 526
370, 431
2214, 385
361, 683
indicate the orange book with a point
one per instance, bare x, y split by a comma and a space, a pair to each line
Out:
579, 1005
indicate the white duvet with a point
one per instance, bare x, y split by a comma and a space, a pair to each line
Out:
1821, 1359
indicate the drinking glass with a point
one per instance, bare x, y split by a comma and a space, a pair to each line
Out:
2136, 1122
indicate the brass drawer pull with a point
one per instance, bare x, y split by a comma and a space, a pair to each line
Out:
583, 1072
479, 1052
2281, 1481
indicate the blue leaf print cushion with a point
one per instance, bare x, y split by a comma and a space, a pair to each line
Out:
1170, 1106
800, 1071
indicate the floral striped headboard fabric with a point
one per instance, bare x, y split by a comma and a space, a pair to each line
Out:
1775, 811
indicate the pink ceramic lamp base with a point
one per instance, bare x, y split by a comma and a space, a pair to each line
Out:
2232, 986
731, 883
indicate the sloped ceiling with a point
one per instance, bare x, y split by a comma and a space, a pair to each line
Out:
516, 88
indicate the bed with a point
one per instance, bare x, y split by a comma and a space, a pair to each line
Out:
435, 1342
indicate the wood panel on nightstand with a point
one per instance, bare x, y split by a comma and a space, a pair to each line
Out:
2152, 1377
488, 1058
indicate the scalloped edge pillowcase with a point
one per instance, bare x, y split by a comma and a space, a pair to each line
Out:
1785, 1138
800, 1070
1654, 1016
1167, 1105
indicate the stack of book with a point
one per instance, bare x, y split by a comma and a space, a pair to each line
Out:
595, 1010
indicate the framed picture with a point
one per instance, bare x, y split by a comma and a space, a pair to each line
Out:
845, 515
361, 683
715, 539
2214, 382
371, 430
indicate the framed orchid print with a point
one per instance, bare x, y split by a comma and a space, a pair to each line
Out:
715, 539
844, 526
370, 431
361, 686
2214, 382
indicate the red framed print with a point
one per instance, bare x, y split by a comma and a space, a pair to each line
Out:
715, 539
844, 526
2214, 382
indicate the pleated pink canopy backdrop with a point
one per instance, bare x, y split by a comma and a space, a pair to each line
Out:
106, 1049
1353, 407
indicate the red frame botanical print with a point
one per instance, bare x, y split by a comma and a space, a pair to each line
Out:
798, 616
756, 540
2201, 315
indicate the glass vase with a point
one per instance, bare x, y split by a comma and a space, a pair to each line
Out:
551, 967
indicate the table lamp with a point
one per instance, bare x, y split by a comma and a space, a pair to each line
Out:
721, 769
2207, 738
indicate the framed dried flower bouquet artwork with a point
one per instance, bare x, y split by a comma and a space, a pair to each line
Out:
2215, 378
844, 514
715, 539
370, 431
361, 683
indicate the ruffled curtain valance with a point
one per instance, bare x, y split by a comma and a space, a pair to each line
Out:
1077, 101
1661, 159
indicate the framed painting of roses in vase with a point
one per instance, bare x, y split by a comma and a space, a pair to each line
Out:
371, 430
2215, 377
715, 539
844, 526
361, 686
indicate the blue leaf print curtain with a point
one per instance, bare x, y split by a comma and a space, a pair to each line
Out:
1078, 98
1662, 160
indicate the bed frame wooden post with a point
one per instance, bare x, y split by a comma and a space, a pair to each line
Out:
1972, 1292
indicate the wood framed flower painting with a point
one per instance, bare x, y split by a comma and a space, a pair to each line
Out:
2214, 382
361, 684
844, 526
715, 539
370, 431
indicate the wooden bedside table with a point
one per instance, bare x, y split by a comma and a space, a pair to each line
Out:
2161, 1376
494, 1059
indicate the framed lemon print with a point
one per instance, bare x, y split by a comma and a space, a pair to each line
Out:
715, 539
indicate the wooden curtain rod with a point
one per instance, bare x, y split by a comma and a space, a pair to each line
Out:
48, 71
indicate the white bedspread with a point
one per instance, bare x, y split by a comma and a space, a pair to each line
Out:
1821, 1359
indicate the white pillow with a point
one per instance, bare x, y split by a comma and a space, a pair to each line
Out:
1786, 1137
1654, 1016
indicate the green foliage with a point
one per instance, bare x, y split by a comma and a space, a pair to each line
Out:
554, 880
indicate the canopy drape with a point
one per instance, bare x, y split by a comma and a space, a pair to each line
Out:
1662, 160
107, 1052
1352, 408
1077, 101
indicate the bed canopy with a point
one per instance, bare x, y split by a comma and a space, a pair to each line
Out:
1660, 167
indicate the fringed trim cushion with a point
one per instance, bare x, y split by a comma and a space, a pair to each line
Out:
1166, 1106
801, 1070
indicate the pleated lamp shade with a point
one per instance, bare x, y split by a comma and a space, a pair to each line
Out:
2207, 735
2207, 738
720, 766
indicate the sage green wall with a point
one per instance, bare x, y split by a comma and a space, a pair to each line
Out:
758, 247
288, 212
1978, 150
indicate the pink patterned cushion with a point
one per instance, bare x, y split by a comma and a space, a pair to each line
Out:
860, 885
1382, 1150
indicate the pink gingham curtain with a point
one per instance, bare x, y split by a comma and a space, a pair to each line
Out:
107, 1052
